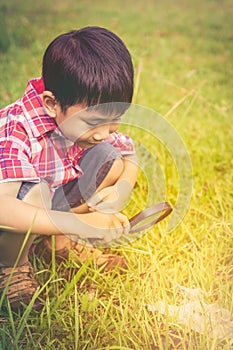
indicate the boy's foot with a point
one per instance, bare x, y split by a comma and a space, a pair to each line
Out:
81, 253
20, 285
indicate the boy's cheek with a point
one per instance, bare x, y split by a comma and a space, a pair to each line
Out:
83, 135
77, 132
114, 127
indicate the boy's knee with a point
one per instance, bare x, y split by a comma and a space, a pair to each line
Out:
116, 170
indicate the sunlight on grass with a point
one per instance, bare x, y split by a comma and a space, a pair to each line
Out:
182, 53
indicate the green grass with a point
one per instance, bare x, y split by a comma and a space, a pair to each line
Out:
182, 52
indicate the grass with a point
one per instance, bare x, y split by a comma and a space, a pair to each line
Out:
182, 52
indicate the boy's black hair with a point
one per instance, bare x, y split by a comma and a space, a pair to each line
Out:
89, 66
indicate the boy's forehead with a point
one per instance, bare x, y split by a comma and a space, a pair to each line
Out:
105, 111
89, 115
100, 113
109, 109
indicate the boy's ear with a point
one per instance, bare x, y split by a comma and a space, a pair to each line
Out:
49, 103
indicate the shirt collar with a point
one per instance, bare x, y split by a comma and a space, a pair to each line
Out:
35, 113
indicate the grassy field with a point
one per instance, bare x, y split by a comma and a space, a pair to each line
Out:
183, 56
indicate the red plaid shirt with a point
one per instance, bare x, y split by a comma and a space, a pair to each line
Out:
32, 148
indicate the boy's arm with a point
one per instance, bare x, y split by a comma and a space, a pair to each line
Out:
112, 198
20, 217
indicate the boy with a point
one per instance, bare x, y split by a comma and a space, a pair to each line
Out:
64, 168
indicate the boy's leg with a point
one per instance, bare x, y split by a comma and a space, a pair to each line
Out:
11, 243
102, 165
20, 280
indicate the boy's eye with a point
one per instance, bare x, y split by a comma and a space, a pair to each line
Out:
98, 121
94, 122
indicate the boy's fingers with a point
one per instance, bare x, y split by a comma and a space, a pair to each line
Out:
118, 225
124, 222
112, 234
104, 207
94, 200
121, 226
122, 218
97, 198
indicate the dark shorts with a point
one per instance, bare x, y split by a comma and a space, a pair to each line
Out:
95, 163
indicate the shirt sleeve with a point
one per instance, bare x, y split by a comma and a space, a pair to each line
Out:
15, 163
122, 142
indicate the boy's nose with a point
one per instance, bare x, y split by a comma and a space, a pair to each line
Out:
102, 133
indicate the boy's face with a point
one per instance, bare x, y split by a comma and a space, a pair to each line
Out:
84, 126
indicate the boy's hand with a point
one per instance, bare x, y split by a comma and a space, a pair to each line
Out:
110, 199
104, 226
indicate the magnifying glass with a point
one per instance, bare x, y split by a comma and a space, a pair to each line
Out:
139, 222
149, 217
